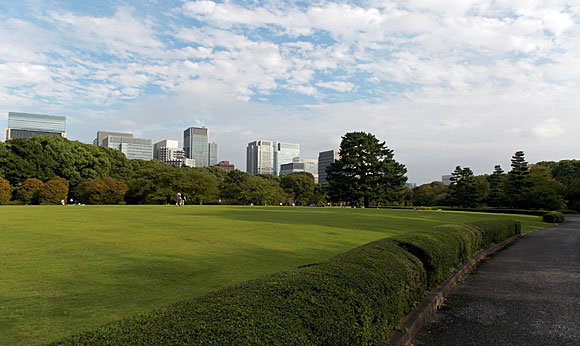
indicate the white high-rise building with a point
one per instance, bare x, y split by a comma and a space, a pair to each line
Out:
260, 157
168, 150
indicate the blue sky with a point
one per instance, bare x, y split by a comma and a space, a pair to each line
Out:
444, 83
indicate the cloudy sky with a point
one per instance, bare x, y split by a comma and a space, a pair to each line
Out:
444, 83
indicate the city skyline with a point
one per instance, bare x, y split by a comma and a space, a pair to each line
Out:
444, 84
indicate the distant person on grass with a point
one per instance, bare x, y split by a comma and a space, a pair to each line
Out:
183, 199
178, 203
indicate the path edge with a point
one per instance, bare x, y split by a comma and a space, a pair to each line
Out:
434, 299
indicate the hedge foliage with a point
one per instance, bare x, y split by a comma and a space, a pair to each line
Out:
553, 217
356, 298
444, 248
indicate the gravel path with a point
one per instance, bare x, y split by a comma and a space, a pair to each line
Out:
526, 294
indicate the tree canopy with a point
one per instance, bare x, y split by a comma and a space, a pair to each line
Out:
366, 171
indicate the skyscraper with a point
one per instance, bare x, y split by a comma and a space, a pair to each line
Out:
325, 159
213, 154
195, 143
260, 157
26, 125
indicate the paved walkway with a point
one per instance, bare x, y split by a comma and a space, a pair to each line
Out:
526, 294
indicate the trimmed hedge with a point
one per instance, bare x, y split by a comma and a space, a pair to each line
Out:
553, 217
356, 298
442, 249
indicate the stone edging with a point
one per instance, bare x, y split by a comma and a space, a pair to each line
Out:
433, 300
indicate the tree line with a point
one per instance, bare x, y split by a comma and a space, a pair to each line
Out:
544, 185
51, 169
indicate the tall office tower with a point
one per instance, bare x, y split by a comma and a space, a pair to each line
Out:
195, 143
260, 157
133, 148
284, 153
101, 135
213, 154
325, 159
26, 125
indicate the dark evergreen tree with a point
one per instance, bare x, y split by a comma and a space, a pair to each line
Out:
496, 197
463, 189
366, 171
518, 183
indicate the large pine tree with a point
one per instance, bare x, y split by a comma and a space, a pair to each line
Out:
366, 171
518, 183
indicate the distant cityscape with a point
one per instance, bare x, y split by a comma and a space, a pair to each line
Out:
262, 156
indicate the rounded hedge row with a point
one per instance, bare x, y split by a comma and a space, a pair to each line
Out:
553, 217
356, 298
444, 248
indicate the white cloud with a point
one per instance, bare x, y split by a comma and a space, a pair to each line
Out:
549, 128
337, 85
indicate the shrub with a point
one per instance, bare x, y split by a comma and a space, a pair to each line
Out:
4, 191
553, 217
101, 191
28, 192
53, 191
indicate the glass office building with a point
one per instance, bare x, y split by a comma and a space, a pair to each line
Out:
267, 157
213, 154
196, 145
285, 153
133, 148
27, 125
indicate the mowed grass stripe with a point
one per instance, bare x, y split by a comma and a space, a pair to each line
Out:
67, 269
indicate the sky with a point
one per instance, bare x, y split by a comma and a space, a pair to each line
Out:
443, 83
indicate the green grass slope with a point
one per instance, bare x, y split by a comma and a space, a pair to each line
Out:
68, 269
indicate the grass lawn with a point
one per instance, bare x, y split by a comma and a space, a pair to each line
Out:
68, 269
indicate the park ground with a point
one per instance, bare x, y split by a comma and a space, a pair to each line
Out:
70, 268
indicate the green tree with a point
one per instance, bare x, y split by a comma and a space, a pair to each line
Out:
300, 186
518, 183
463, 189
567, 172
4, 191
53, 191
496, 197
231, 187
544, 193
198, 185
261, 191
366, 171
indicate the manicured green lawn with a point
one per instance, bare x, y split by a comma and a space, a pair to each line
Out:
68, 269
